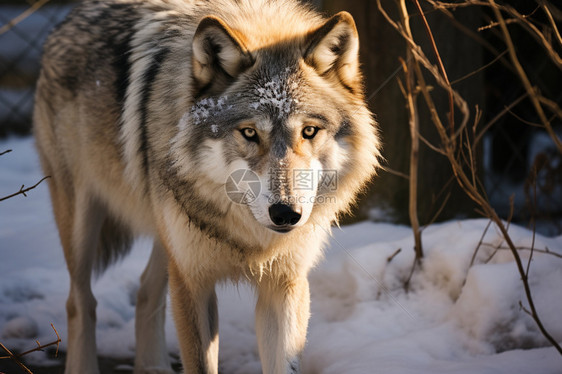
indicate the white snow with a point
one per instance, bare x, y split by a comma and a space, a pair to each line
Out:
208, 107
273, 94
456, 318
276, 93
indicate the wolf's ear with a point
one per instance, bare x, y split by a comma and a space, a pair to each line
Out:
217, 50
334, 47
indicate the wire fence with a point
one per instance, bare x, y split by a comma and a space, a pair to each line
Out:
511, 148
22, 33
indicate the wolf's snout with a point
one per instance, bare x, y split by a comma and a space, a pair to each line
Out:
282, 214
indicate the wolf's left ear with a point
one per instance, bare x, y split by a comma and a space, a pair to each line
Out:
218, 52
334, 47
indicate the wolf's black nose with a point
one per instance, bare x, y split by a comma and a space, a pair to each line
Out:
282, 214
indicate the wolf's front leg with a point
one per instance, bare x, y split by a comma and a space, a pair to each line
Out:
282, 314
151, 355
195, 312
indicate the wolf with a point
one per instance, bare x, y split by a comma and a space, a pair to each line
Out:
234, 132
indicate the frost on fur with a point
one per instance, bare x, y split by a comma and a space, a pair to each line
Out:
209, 107
202, 113
277, 94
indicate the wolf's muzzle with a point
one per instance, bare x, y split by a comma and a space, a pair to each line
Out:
283, 215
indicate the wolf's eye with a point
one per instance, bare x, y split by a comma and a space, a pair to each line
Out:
250, 134
309, 132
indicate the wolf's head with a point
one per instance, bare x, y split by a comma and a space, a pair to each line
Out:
282, 124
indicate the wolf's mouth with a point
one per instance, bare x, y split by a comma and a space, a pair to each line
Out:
281, 229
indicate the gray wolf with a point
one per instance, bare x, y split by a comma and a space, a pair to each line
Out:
145, 109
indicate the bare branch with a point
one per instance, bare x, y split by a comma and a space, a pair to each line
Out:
17, 357
457, 158
524, 309
391, 257
545, 251
23, 190
32, 9
441, 67
498, 57
552, 22
414, 151
533, 94
497, 117
480, 242
431, 146
395, 172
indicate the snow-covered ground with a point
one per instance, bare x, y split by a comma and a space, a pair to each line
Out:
454, 319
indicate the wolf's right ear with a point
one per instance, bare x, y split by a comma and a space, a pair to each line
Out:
217, 50
334, 48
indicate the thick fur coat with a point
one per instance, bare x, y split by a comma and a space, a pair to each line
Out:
145, 109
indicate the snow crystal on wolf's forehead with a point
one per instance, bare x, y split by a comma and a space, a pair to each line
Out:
208, 107
203, 110
276, 93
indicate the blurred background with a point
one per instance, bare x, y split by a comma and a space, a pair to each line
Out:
515, 161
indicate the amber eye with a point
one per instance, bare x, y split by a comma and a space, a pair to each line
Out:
250, 134
309, 132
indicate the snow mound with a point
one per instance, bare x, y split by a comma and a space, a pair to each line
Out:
22, 327
492, 306
452, 314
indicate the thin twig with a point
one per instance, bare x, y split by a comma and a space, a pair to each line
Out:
391, 257
552, 23
494, 24
480, 242
40, 347
6, 151
532, 91
484, 67
545, 251
525, 309
441, 67
534, 224
395, 172
17, 357
518, 18
498, 116
529, 123
32, 9
556, 13
552, 105
414, 152
470, 33
521, 17
431, 146
23, 190
444, 202
409, 279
